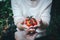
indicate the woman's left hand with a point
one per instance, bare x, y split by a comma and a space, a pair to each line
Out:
30, 36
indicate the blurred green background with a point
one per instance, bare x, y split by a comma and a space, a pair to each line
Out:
7, 19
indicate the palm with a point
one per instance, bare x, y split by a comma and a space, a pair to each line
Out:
28, 37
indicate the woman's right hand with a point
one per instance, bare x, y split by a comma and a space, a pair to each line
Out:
20, 26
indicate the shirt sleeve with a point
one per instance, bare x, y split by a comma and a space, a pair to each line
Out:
45, 16
17, 13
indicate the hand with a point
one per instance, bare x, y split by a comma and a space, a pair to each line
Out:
43, 25
30, 36
20, 26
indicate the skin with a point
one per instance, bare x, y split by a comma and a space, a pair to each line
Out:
31, 37
24, 35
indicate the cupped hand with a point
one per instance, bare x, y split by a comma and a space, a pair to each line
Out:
30, 35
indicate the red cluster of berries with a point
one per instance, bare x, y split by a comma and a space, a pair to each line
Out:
30, 22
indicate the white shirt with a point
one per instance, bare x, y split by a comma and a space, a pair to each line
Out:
23, 8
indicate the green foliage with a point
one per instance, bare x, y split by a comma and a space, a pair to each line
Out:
5, 12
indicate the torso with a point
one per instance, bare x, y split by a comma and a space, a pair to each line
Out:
30, 8
34, 9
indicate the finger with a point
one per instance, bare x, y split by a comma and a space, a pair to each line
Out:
34, 35
25, 26
30, 32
